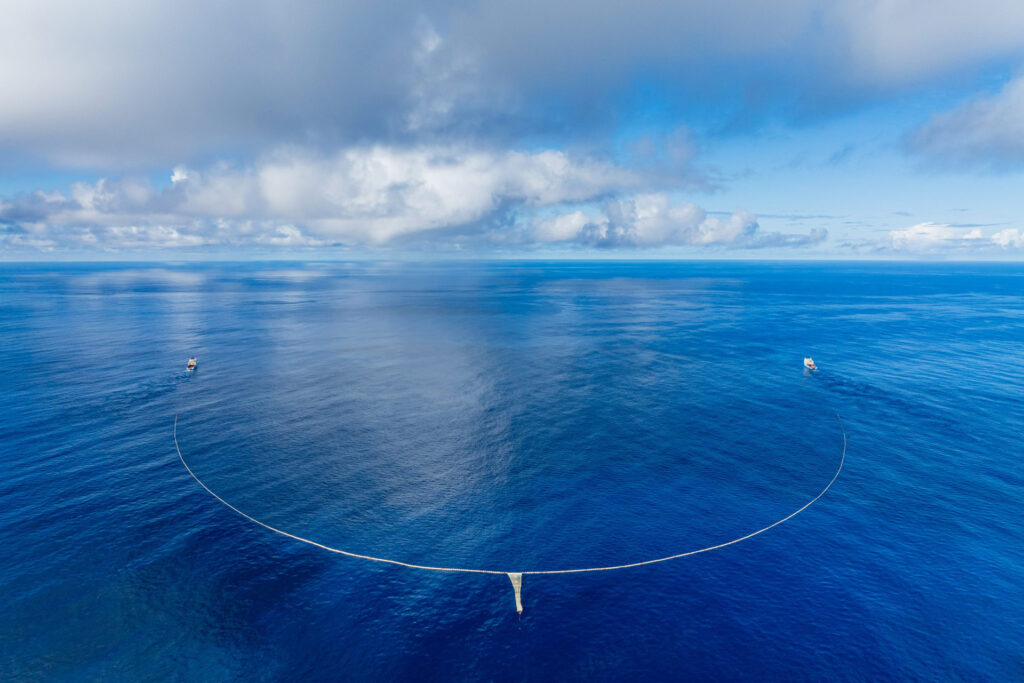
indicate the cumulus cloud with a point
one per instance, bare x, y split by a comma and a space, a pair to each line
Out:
363, 195
985, 131
1011, 238
655, 220
298, 197
938, 237
377, 195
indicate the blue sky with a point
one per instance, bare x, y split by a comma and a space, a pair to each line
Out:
884, 129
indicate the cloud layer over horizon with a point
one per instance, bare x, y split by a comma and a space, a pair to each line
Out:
373, 196
486, 125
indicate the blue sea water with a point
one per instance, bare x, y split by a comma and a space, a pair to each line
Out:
517, 416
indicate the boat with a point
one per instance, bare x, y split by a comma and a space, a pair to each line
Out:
809, 363
192, 364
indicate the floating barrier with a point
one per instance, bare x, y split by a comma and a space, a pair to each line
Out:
516, 577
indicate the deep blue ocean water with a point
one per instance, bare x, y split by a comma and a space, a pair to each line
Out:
512, 416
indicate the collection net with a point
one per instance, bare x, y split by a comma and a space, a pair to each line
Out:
515, 576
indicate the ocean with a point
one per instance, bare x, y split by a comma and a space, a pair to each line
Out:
514, 416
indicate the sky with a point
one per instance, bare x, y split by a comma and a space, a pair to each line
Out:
767, 129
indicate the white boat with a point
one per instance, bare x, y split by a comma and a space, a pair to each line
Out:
809, 363
192, 364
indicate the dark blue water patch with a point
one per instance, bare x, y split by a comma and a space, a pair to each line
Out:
514, 416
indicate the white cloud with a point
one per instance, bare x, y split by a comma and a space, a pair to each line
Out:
935, 237
286, 236
357, 196
1009, 238
655, 220
378, 195
565, 227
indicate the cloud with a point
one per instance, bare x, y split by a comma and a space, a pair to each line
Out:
375, 193
1009, 239
357, 196
655, 220
145, 84
778, 239
987, 131
938, 237
899, 42
378, 195
122, 83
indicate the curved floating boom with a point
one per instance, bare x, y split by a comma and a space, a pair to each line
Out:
515, 577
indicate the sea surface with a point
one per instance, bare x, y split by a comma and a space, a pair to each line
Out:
513, 416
